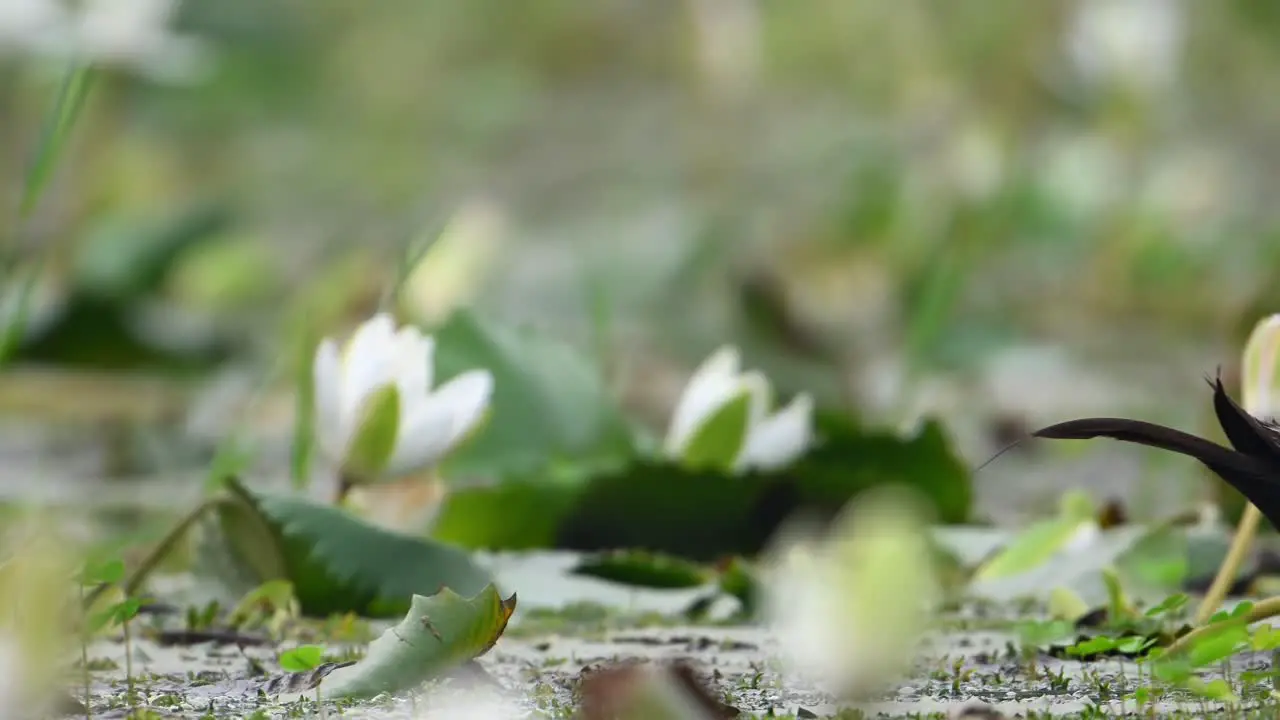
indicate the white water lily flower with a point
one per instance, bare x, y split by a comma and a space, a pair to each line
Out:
377, 415
848, 610
1261, 371
768, 441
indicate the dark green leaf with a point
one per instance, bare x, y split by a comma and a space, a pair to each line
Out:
336, 562
644, 569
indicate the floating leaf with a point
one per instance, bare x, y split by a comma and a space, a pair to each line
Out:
851, 458
703, 514
548, 401
336, 562
644, 569
439, 633
667, 508
1039, 542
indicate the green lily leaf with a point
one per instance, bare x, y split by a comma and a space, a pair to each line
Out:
852, 458
336, 562
667, 508
703, 514
644, 569
439, 633
1039, 542
720, 438
548, 401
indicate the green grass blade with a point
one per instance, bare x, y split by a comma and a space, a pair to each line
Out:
14, 327
53, 137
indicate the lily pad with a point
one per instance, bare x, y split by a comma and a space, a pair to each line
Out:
1040, 542
705, 514
548, 402
645, 569
667, 508
336, 562
852, 458
438, 634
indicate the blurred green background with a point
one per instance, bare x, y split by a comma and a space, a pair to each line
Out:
1003, 213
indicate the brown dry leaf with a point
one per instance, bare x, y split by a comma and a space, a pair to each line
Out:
646, 691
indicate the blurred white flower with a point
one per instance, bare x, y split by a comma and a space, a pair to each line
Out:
752, 438
849, 611
10, 679
29, 25
1134, 43
1083, 173
377, 415
476, 703
132, 34
1261, 368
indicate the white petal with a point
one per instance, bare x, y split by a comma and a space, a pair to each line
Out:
410, 359
467, 396
429, 360
327, 383
782, 438
423, 439
712, 384
757, 387
367, 365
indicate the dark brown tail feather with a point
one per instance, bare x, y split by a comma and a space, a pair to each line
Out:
1255, 477
1246, 433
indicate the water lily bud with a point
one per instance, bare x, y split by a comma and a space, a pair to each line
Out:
377, 414
454, 267
1261, 372
723, 420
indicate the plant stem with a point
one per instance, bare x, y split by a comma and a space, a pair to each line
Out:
128, 664
84, 653
344, 488
158, 553
1227, 572
1261, 611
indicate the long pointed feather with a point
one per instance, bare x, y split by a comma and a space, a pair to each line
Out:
1255, 477
1247, 434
